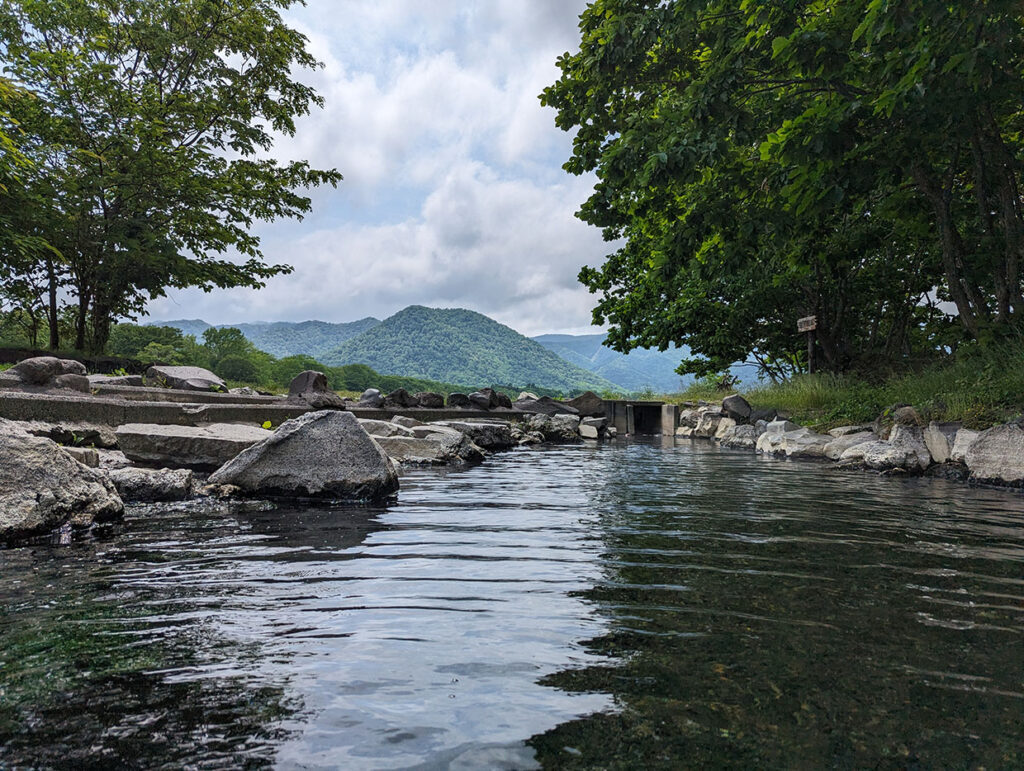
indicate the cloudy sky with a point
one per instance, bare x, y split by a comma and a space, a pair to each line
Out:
454, 195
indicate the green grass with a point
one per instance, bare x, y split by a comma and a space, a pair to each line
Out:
980, 388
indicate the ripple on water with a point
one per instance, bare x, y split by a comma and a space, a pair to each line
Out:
614, 606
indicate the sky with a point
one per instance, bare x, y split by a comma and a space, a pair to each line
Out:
454, 193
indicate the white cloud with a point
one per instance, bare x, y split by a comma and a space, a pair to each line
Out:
453, 192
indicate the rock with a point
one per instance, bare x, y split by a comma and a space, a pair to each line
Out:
559, 429
763, 415
78, 383
744, 437
480, 400
220, 492
594, 428
724, 425
202, 447
376, 428
87, 456
905, 450
400, 399
737, 408
152, 485
907, 416
39, 370
491, 436
524, 395
834, 450
954, 472
797, 443
430, 400
545, 405
244, 391
459, 401
707, 423
689, 418
408, 422
324, 454
964, 439
184, 379
111, 459
371, 398
310, 387
939, 438
590, 432
588, 404
997, 455
42, 488
847, 430
781, 427
439, 448
686, 432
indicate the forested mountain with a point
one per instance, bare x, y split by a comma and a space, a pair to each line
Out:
285, 338
461, 346
636, 371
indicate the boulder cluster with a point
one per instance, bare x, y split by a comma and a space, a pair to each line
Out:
897, 443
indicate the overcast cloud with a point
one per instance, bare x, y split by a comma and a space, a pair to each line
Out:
454, 194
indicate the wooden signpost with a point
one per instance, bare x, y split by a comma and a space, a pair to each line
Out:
808, 324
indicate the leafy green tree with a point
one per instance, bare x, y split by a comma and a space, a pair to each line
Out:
149, 141
238, 368
763, 161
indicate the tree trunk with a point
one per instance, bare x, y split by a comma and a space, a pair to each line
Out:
52, 319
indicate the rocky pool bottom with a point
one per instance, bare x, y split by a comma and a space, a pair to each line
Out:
624, 605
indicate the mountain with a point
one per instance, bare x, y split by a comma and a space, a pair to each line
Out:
462, 346
285, 338
639, 370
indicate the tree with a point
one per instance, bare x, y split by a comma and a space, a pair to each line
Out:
760, 162
150, 137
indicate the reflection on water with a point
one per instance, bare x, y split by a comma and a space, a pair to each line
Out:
623, 606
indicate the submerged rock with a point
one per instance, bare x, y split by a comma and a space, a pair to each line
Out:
323, 454
384, 428
42, 488
435, 448
559, 429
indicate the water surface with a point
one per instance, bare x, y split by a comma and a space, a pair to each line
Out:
623, 606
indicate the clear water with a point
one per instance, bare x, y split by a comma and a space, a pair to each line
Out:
616, 607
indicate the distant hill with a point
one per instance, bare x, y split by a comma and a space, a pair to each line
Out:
285, 338
637, 370
461, 346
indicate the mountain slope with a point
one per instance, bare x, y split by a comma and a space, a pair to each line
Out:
285, 338
637, 370
461, 346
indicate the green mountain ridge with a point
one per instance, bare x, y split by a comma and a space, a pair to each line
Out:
284, 338
461, 346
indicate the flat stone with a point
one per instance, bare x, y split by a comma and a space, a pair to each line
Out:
139, 485
72, 382
377, 428
491, 436
87, 456
842, 431
324, 454
545, 405
589, 432
128, 381
408, 422
73, 434
434, 449
185, 378
42, 488
200, 447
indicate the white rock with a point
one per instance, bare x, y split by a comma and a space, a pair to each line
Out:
842, 431
965, 437
997, 455
939, 438
834, 450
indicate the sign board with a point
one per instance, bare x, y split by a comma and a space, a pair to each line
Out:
807, 324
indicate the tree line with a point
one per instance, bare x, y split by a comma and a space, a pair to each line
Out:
135, 140
855, 160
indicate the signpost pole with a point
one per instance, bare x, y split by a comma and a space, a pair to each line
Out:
809, 324
811, 363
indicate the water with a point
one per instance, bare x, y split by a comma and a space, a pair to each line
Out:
616, 607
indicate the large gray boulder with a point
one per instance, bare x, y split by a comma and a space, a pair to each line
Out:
311, 388
400, 399
905, 450
371, 398
184, 379
708, 423
795, 443
43, 370
490, 435
741, 437
323, 454
429, 400
438, 449
42, 488
480, 400
199, 447
997, 455
459, 401
965, 437
141, 485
